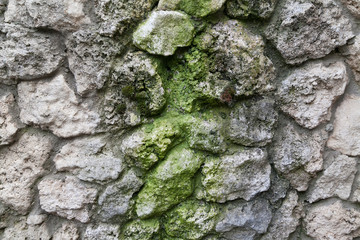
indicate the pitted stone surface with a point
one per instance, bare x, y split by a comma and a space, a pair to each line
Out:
352, 53
197, 8
102, 231
68, 231
353, 6
250, 8
21, 230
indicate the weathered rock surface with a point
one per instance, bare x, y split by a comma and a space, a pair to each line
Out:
309, 29
308, 93
163, 32
9, 119
141, 229
21, 230
332, 221
27, 54
352, 53
67, 231
102, 231
198, 8
336, 180
89, 160
170, 183
250, 8
297, 155
116, 199
51, 104
353, 6
245, 219
242, 174
67, 197
345, 137
21, 165
191, 220
262, 116
90, 56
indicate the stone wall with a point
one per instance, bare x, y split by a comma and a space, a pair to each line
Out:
179, 119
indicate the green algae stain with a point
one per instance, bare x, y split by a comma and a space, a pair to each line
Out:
141, 230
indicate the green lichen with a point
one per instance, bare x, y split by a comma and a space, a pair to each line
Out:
200, 8
141, 230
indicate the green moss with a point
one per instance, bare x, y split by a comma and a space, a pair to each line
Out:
200, 8
128, 91
141, 230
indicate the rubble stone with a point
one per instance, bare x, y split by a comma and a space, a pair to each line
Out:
67, 231
21, 230
352, 53
102, 231
250, 8
353, 6
197, 8
141, 229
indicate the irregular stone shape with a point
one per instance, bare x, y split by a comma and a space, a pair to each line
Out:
197, 8
336, 180
67, 197
63, 15
308, 93
332, 221
252, 122
21, 165
102, 231
9, 119
116, 198
353, 6
250, 8
345, 137
135, 89
89, 160
170, 183
21, 230
297, 154
90, 56
163, 32
3, 6
35, 219
254, 216
191, 220
242, 174
141, 229
116, 16
51, 104
26, 54
67, 231
352, 53
286, 219
309, 29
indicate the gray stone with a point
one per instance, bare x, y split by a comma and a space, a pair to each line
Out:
336, 180
51, 104
89, 159
35, 219
353, 6
250, 8
332, 221
163, 32
68, 197
141, 229
116, 198
21, 231
252, 122
355, 195
242, 174
352, 53
309, 29
21, 164
67, 231
297, 154
198, 8
102, 231
27, 54
9, 119
309, 92
345, 137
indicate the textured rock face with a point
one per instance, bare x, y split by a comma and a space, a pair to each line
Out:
141, 229
250, 8
21, 230
163, 32
51, 104
67, 197
345, 137
21, 165
66, 231
102, 231
333, 221
353, 6
307, 29
198, 8
308, 94
352, 52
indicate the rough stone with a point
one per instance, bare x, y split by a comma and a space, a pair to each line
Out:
21, 164
336, 180
67, 231
353, 6
332, 221
116, 199
345, 137
170, 183
102, 231
309, 29
352, 53
51, 104
286, 219
89, 159
67, 197
191, 220
141, 229
27, 54
9, 119
90, 56
21, 230
262, 116
242, 174
297, 155
163, 32
246, 218
250, 8
197, 8
308, 93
